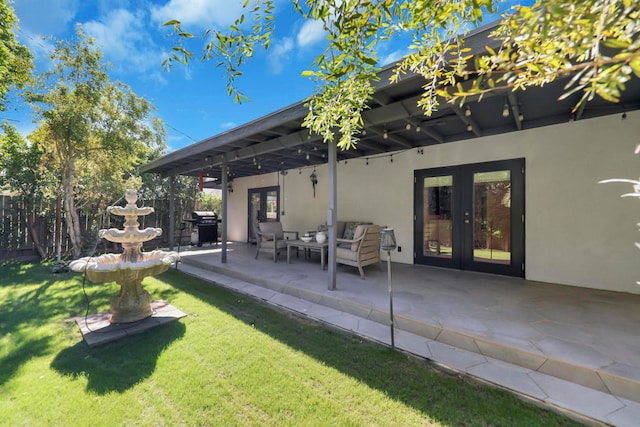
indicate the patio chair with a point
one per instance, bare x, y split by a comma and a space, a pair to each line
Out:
270, 237
362, 250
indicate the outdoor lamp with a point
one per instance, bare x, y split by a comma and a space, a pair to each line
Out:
388, 243
314, 180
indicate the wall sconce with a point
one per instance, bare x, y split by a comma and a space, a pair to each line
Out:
388, 244
230, 187
314, 180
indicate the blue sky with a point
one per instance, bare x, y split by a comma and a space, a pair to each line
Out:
192, 101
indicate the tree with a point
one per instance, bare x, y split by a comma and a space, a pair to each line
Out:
16, 61
595, 41
93, 131
21, 172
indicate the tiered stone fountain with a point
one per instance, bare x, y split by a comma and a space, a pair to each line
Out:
129, 268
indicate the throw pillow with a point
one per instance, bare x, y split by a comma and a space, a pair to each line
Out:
349, 230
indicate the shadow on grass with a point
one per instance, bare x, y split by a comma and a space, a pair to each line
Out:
120, 365
33, 303
32, 299
446, 398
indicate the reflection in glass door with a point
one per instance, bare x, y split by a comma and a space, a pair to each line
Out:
438, 229
492, 217
263, 207
471, 217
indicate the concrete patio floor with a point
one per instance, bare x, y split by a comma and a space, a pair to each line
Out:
573, 349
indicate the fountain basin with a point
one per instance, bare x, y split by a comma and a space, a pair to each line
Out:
130, 236
129, 210
111, 268
133, 303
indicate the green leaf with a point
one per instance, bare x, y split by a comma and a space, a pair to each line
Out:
616, 43
635, 66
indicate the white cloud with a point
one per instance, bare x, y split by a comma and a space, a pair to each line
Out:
39, 46
310, 33
122, 37
198, 13
228, 125
392, 57
279, 55
45, 16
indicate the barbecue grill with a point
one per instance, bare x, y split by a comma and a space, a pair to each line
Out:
204, 227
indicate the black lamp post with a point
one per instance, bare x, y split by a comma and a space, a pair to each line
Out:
388, 243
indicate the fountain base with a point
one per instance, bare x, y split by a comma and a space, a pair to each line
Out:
133, 303
98, 330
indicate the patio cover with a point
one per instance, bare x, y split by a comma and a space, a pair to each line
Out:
393, 122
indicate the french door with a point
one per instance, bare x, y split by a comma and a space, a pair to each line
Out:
471, 217
263, 207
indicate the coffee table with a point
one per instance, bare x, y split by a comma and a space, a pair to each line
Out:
323, 248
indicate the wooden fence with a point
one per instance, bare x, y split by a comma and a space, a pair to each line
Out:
16, 238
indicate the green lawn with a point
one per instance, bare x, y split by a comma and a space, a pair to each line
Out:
232, 361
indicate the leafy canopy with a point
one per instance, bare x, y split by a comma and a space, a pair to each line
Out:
594, 41
93, 132
16, 61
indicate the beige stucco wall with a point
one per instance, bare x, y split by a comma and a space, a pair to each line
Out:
578, 232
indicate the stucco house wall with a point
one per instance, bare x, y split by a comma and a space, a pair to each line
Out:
578, 232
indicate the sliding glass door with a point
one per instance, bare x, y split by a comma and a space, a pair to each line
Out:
471, 217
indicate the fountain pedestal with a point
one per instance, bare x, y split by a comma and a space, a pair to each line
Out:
129, 268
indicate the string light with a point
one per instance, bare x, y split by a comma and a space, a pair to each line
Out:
467, 111
408, 126
385, 134
469, 127
418, 129
307, 157
505, 109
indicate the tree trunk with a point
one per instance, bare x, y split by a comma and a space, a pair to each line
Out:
35, 235
58, 230
73, 220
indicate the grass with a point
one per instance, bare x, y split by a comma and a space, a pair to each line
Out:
231, 361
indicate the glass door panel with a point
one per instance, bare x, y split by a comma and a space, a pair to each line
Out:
272, 205
263, 207
437, 226
492, 217
471, 217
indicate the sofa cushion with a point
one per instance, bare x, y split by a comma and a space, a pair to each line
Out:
346, 253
